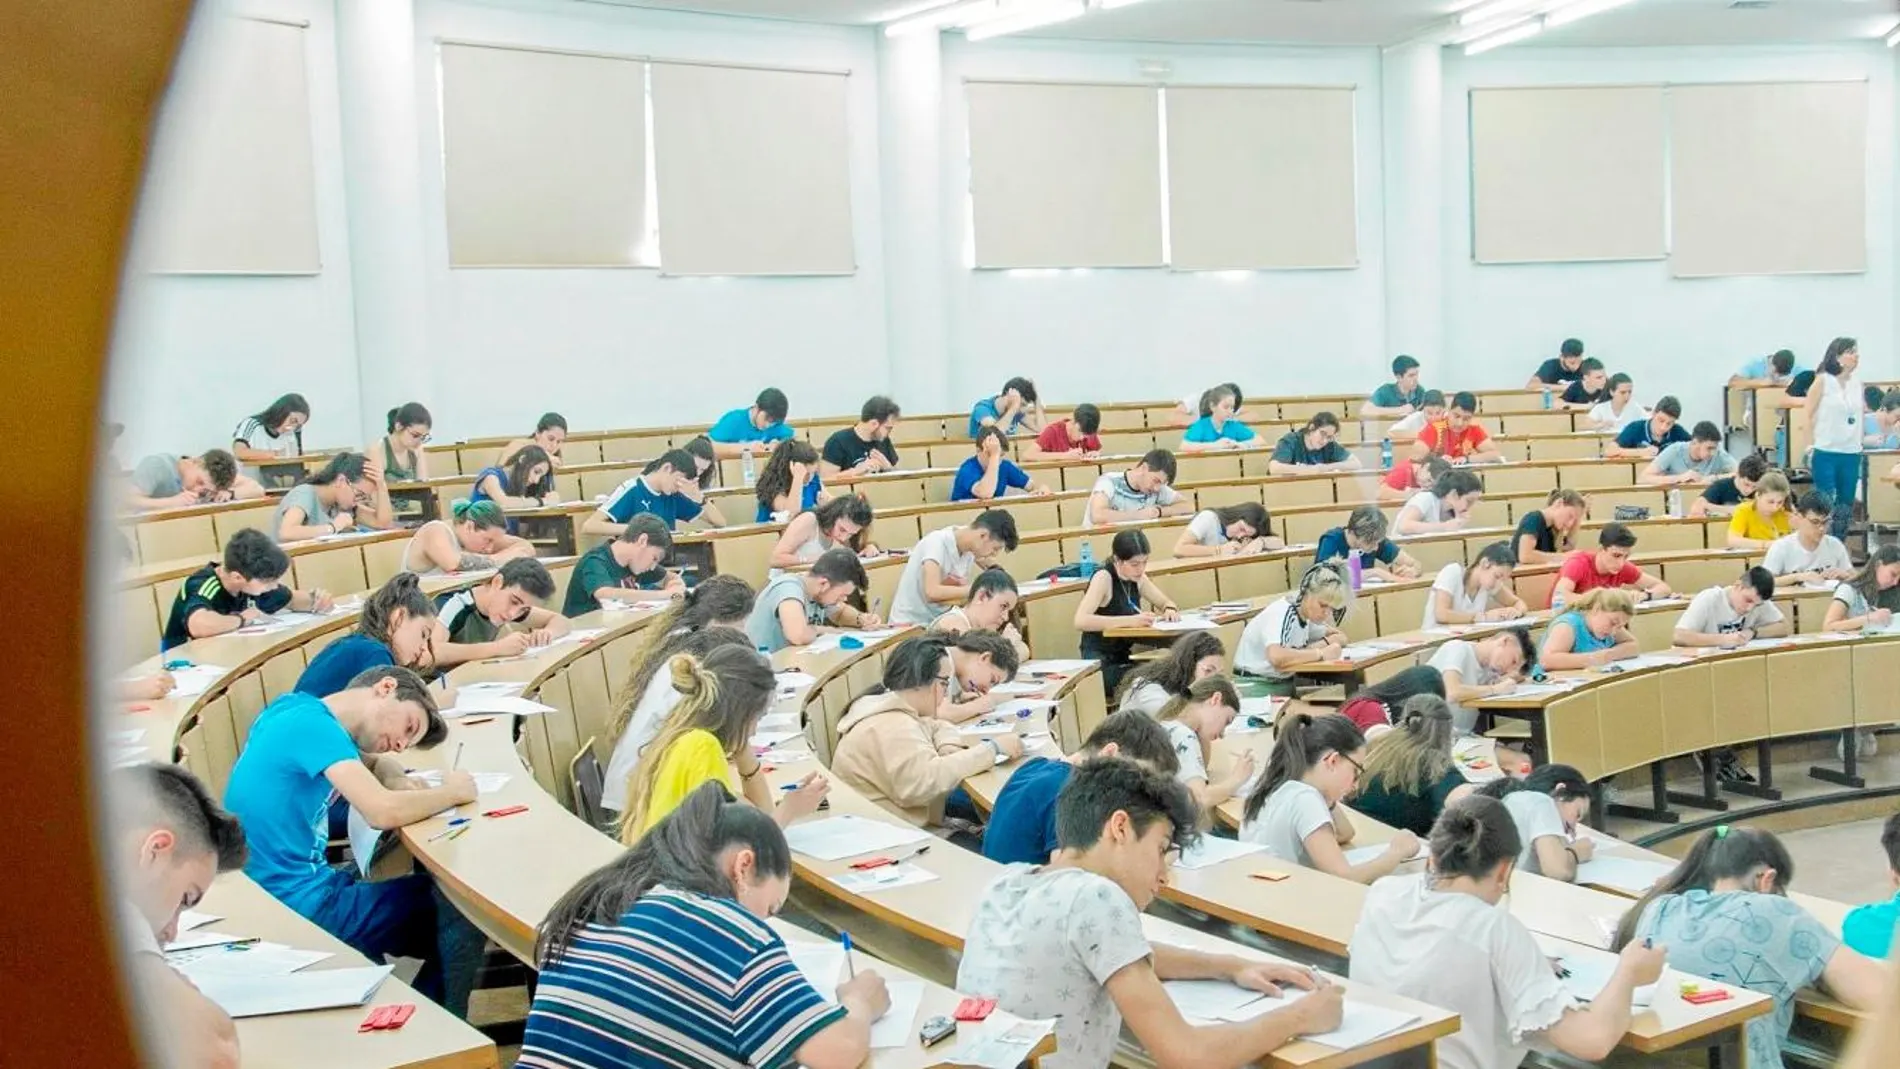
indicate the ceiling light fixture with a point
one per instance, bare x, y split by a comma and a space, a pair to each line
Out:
1046, 14
1580, 9
1110, 5
1491, 9
1893, 36
938, 18
1519, 32
1463, 35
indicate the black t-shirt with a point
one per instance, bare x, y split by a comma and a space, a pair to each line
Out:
1723, 492
846, 450
1575, 394
1537, 527
1552, 371
1414, 812
203, 590
1801, 384
464, 622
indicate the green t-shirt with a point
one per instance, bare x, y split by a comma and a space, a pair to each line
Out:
1413, 812
597, 568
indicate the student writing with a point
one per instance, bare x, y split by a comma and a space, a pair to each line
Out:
1458, 437
550, 435
1592, 632
1411, 474
1608, 566
400, 447
1723, 494
1696, 461
938, 569
1217, 428
989, 605
1298, 628
1151, 684
469, 623
1072, 437
1139, 493
1228, 531
240, 589
625, 569
1120, 595
332, 500
1565, 367
1194, 722
752, 429
1549, 534
797, 607
864, 448
1022, 827
277, 431
1486, 668
1647, 438
1810, 554
1868, 598
1410, 777
1312, 448
1589, 389
1620, 409
1363, 536
979, 660
1547, 806
1294, 811
1400, 397
1445, 507
1478, 593
842, 522
525, 480
396, 626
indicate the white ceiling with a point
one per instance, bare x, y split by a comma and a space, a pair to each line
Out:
1377, 22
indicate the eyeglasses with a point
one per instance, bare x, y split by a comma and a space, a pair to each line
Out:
1358, 770
943, 682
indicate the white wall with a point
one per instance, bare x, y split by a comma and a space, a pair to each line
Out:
631, 347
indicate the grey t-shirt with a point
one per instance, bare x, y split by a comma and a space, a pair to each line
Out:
764, 627
1044, 943
301, 496
1293, 811
157, 476
1675, 460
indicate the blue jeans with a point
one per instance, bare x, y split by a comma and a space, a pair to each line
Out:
408, 917
1838, 476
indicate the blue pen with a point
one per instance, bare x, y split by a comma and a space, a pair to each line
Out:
851, 970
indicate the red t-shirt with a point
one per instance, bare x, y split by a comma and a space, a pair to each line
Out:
1581, 569
1438, 438
1368, 713
1055, 439
1403, 476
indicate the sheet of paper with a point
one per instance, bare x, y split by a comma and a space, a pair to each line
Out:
793, 680
1363, 651
317, 989
363, 841
1017, 686
898, 1024
1652, 660
191, 918
836, 838
1210, 1000
1212, 850
1542, 690
1626, 874
259, 959
827, 643
194, 680
583, 634
822, 964
485, 782
1055, 667
195, 939
765, 740
1186, 623
888, 878
483, 702
1359, 855
1590, 970
488, 689
985, 728
1360, 1023
1004, 1049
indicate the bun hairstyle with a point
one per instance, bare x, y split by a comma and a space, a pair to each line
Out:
723, 693
404, 592
1302, 741
1471, 837
1416, 754
657, 655
409, 415
1726, 852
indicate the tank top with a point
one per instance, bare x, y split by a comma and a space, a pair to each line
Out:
394, 472
1585, 642
422, 570
1124, 599
1837, 417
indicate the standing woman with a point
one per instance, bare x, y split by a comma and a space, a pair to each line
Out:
1547, 806
788, 483
1479, 593
474, 537
1410, 776
1834, 419
613, 988
1153, 683
550, 434
402, 456
325, 502
1114, 598
526, 482
276, 431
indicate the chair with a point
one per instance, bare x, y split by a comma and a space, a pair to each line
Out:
587, 779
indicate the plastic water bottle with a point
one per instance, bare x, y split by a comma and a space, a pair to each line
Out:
1356, 568
1546, 398
1781, 446
1385, 453
1087, 561
1556, 603
1675, 503
747, 473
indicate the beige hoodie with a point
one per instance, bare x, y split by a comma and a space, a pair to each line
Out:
904, 762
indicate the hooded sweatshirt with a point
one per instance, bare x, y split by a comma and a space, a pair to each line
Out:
904, 762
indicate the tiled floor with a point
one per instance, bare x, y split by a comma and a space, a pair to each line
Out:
1843, 862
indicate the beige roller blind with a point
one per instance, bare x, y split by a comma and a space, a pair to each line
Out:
1567, 174
234, 185
754, 168
1768, 179
1261, 178
1065, 175
544, 158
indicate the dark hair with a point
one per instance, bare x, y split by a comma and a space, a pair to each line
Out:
1572, 347
530, 575
992, 581
1392, 691
878, 409
1402, 364
1751, 467
1128, 544
1726, 852
1173, 671
1562, 782
775, 477
1001, 651
1619, 379
1872, 396
1706, 431
1782, 362
1301, 741
1616, 536
344, 465
549, 421
1498, 553
1210, 398
1432, 398
840, 565
1103, 786
1815, 503
409, 415
1525, 644
1762, 580
221, 467
403, 591
652, 528
772, 402
1471, 837
252, 554
1160, 460
1831, 362
409, 688
1889, 840
991, 430
678, 459
1590, 364
1137, 737
682, 852
1669, 406
913, 664
1251, 513
290, 404
1464, 401
515, 478
1867, 579
1023, 387
1459, 481
693, 641
1321, 419
1087, 417
1367, 522
169, 796
701, 448
853, 507
1000, 525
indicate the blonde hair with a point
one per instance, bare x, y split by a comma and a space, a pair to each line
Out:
722, 694
1773, 483
1565, 496
1327, 582
1606, 599
1416, 753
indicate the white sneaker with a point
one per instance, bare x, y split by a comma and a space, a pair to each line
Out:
1868, 743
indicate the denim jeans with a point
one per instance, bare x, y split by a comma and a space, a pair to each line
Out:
1838, 476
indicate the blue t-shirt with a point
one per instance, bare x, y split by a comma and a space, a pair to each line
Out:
1585, 642
634, 497
340, 662
1758, 369
1202, 430
278, 791
806, 501
1022, 825
1869, 929
736, 426
1333, 546
970, 472
986, 409
1637, 435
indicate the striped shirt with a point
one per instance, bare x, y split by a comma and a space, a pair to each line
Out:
683, 981
257, 436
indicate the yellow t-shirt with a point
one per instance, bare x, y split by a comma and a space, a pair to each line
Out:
692, 760
1748, 522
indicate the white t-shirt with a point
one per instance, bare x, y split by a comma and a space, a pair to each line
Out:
1462, 658
1146, 697
1709, 613
1045, 943
1786, 555
1187, 747
909, 606
1838, 418
1279, 624
1601, 412
1849, 595
1451, 580
1410, 425
1293, 811
1453, 950
1535, 814
1207, 528
657, 702
1431, 507
1125, 498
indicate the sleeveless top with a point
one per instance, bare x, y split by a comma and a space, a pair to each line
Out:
1585, 641
394, 472
1124, 599
1837, 418
424, 570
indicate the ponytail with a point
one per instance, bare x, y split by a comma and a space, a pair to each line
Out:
409, 415
403, 592
1200, 691
1416, 754
1728, 852
655, 655
345, 465
723, 693
1303, 740
1562, 782
1472, 837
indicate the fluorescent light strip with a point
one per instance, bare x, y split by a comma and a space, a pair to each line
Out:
1893, 37
940, 17
1491, 9
1110, 5
1045, 15
1580, 9
1521, 31
1467, 34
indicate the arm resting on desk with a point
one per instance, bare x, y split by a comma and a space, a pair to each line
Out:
1856, 979
197, 1030
1176, 1044
385, 809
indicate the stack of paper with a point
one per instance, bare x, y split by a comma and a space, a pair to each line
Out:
1631, 876
320, 989
1359, 855
480, 702
1209, 1000
1002, 1048
885, 878
256, 959
494, 689
1213, 850
193, 680
836, 838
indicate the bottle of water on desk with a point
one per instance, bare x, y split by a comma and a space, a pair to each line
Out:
1385, 453
1546, 398
1675, 503
747, 473
1781, 446
1356, 567
1087, 561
